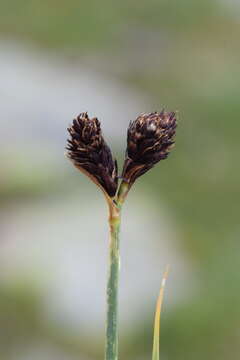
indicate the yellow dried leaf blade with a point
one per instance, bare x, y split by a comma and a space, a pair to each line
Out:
156, 334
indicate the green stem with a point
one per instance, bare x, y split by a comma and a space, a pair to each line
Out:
111, 351
115, 206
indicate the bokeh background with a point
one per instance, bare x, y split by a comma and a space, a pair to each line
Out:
116, 60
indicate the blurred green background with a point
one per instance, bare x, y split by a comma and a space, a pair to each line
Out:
126, 57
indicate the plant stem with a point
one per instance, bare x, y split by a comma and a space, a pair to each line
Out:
111, 351
115, 206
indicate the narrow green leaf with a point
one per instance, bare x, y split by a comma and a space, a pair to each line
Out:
156, 334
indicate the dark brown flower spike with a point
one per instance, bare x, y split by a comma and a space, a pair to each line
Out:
90, 154
150, 139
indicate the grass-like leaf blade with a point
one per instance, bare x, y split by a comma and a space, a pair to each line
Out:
156, 334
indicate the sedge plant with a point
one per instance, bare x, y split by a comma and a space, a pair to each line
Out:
149, 139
